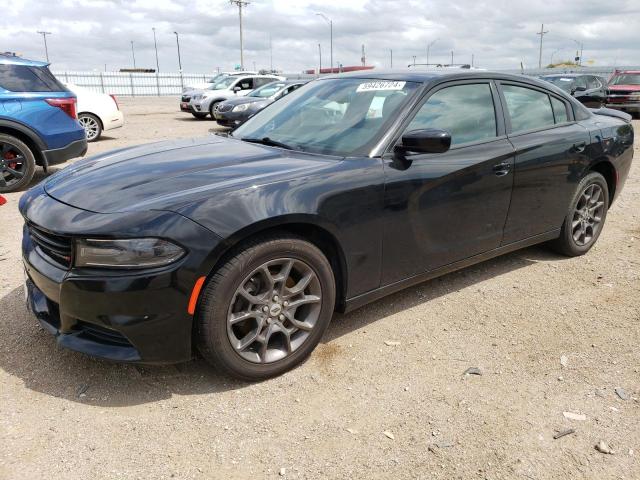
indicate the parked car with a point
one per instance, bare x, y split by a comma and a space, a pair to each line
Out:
590, 90
215, 79
235, 111
243, 247
97, 112
202, 103
624, 91
38, 123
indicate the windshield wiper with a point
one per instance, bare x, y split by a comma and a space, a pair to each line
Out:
267, 141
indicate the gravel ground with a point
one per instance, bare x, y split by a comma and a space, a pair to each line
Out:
549, 335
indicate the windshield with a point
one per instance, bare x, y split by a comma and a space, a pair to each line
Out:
267, 90
224, 82
344, 117
626, 79
562, 82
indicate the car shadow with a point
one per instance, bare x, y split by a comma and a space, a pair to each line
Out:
30, 354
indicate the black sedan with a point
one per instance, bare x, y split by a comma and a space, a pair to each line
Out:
236, 111
344, 191
590, 90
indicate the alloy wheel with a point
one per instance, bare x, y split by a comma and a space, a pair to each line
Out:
13, 164
90, 126
587, 216
274, 310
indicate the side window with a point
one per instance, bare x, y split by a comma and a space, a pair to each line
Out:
593, 83
559, 110
246, 84
465, 111
20, 78
259, 82
581, 82
529, 109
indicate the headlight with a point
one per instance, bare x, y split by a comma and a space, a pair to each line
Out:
197, 97
126, 253
240, 108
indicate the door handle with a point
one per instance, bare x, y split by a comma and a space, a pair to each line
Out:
580, 147
502, 169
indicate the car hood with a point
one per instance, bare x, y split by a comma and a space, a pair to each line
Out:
240, 100
167, 174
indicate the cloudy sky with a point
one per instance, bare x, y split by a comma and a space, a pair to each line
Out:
87, 34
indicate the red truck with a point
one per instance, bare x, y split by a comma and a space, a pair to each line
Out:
624, 91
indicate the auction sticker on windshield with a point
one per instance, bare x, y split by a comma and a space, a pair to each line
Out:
384, 85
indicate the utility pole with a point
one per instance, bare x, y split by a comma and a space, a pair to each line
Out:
472, 59
330, 22
320, 56
451, 57
179, 59
581, 46
414, 60
156, 45
133, 54
363, 59
391, 55
240, 4
46, 49
542, 33
270, 55
429, 48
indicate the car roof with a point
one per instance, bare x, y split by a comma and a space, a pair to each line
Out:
15, 60
568, 75
626, 71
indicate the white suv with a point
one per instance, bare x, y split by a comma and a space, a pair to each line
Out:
216, 78
202, 103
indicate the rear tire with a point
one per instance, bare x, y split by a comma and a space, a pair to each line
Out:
585, 218
17, 164
280, 328
92, 126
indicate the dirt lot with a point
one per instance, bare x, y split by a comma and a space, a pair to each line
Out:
64, 415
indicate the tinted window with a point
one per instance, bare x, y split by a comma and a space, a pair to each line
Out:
559, 110
245, 84
20, 78
528, 109
592, 82
581, 82
465, 111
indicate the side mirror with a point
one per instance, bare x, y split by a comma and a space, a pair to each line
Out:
578, 89
430, 140
236, 89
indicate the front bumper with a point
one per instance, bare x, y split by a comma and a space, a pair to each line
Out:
232, 119
60, 155
125, 315
186, 107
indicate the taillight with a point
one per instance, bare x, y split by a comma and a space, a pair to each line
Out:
67, 105
115, 101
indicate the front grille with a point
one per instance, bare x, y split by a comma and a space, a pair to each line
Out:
223, 107
52, 246
186, 98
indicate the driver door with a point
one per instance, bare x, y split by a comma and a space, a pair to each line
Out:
442, 208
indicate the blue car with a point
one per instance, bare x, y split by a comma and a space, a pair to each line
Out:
38, 122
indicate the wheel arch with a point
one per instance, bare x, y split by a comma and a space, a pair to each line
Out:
605, 168
28, 137
305, 226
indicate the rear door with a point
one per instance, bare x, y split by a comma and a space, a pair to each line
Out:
441, 208
550, 158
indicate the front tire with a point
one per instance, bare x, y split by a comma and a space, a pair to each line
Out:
212, 107
586, 216
199, 116
266, 308
17, 164
92, 126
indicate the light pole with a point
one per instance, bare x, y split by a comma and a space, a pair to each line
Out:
581, 46
320, 59
240, 4
156, 45
46, 50
429, 48
414, 60
133, 54
552, 54
179, 59
391, 57
330, 22
542, 33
